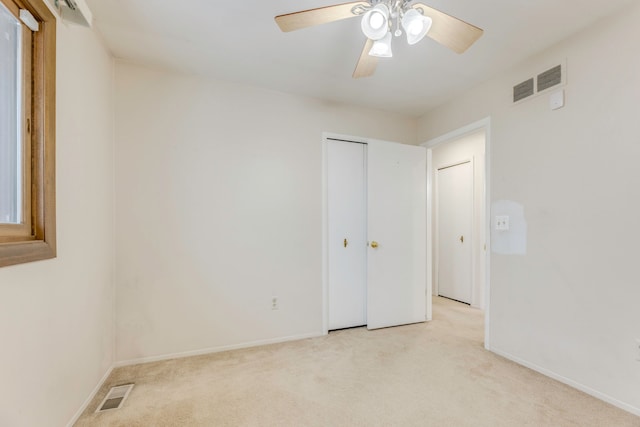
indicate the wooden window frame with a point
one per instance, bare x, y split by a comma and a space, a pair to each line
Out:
35, 238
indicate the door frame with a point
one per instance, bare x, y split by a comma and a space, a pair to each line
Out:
436, 253
484, 124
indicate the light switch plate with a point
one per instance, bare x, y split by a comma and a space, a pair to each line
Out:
502, 223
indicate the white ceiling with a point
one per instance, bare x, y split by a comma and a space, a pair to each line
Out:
239, 41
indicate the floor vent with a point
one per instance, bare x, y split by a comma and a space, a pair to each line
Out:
115, 398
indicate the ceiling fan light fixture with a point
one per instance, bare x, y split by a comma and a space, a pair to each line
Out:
380, 20
382, 48
416, 25
375, 23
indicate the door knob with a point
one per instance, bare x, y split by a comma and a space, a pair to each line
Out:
461, 239
374, 244
345, 243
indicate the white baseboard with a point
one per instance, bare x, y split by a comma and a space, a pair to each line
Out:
86, 403
598, 395
215, 349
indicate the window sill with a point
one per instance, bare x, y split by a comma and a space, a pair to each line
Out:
22, 252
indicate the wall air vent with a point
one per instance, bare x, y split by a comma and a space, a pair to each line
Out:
115, 398
523, 90
542, 82
75, 11
550, 78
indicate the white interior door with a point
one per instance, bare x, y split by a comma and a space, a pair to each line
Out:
454, 200
346, 194
396, 268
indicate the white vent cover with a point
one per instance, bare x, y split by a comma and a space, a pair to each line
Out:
115, 398
549, 79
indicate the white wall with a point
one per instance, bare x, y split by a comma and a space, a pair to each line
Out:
56, 316
570, 305
468, 147
219, 208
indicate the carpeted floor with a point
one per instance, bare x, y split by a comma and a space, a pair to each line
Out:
431, 374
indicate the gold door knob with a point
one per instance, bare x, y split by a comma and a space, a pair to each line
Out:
345, 243
374, 244
461, 239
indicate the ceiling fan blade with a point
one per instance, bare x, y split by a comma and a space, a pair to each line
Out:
451, 32
366, 64
322, 15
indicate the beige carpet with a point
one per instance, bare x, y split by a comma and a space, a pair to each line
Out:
432, 374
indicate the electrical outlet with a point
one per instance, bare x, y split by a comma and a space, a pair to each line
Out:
275, 304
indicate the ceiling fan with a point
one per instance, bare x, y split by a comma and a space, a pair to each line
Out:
378, 17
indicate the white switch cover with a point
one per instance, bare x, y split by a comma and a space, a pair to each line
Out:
502, 223
556, 100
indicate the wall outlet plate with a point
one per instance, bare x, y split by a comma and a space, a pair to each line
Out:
275, 304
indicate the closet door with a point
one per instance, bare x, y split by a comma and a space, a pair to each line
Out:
454, 201
397, 253
347, 234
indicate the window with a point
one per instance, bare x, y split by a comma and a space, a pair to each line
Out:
27, 131
10, 147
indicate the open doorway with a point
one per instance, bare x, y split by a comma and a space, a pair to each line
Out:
457, 222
